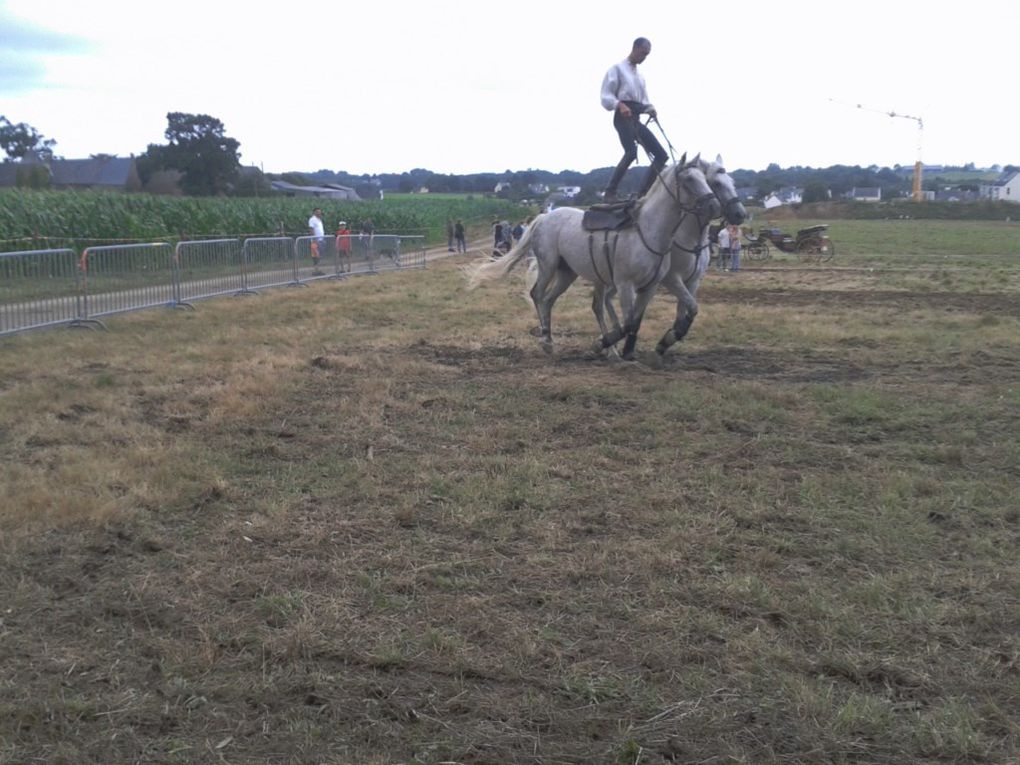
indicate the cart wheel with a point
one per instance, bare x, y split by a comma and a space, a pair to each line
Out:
829, 252
810, 249
758, 251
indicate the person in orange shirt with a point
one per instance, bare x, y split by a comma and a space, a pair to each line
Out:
343, 246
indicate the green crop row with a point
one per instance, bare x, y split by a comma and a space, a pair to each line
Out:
72, 218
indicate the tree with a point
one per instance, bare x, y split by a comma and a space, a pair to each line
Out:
21, 139
815, 192
199, 149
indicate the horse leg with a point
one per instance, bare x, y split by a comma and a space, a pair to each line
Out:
632, 324
630, 305
630, 343
545, 293
601, 303
543, 308
686, 311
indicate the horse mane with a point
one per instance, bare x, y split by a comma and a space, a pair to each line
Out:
680, 165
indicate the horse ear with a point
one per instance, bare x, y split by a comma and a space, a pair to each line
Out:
683, 160
696, 159
718, 160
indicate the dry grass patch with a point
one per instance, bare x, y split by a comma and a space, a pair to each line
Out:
407, 535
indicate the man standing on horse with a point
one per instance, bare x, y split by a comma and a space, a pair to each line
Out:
624, 94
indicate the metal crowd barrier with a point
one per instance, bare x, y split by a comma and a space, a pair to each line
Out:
39, 288
269, 262
207, 269
410, 251
316, 257
126, 277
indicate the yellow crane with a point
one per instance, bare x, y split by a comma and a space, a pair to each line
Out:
918, 167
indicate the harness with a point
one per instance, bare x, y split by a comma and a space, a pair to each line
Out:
609, 250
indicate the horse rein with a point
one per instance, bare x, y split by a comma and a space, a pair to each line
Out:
696, 211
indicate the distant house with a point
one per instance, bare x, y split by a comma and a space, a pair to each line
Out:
101, 172
954, 194
868, 194
1005, 188
326, 191
747, 194
789, 195
569, 191
118, 173
538, 188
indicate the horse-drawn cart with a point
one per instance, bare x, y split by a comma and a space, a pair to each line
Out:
812, 244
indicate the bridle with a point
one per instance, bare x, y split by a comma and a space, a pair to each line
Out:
697, 210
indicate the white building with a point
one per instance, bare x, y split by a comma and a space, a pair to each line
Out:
790, 195
865, 194
1006, 188
329, 191
569, 191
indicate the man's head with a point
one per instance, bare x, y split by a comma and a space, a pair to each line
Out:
317, 212
640, 50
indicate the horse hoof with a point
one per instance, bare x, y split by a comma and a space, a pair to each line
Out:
597, 348
546, 345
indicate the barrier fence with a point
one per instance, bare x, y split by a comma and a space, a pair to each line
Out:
126, 277
39, 288
45, 288
208, 269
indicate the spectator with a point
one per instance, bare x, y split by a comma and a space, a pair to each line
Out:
724, 248
735, 248
343, 246
317, 231
367, 238
518, 231
458, 233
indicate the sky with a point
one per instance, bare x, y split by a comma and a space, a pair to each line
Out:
386, 86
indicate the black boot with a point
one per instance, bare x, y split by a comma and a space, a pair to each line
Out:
650, 175
609, 195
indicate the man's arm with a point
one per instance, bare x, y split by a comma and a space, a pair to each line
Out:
610, 86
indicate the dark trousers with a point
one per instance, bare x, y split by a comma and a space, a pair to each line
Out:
633, 132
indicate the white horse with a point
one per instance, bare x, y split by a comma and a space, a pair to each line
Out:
688, 255
631, 261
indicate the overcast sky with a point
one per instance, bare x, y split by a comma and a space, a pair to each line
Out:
465, 87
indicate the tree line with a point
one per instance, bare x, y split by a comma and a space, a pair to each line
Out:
209, 164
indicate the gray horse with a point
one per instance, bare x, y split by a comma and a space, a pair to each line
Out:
632, 261
688, 256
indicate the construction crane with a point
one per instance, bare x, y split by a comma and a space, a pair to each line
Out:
918, 167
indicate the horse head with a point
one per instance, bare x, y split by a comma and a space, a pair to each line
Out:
687, 184
725, 190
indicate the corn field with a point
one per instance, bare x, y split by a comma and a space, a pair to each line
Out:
43, 219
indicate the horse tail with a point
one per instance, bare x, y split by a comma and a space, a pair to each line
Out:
490, 270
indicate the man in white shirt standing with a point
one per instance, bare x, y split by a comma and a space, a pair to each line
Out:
316, 230
624, 94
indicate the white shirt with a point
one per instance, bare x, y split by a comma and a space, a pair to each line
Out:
315, 224
623, 82
724, 238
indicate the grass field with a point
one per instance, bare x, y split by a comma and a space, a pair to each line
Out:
371, 522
